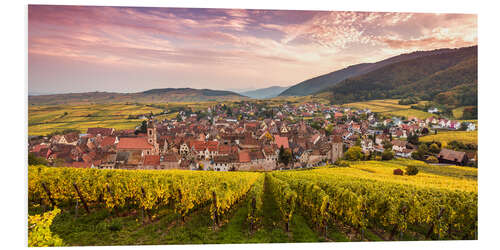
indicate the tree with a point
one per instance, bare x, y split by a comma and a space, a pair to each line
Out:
464, 126
34, 160
316, 125
284, 156
425, 131
143, 128
387, 144
417, 155
413, 138
329, 129
387, 155
354, 154
432, 159
423, 148
434, 148
411, 170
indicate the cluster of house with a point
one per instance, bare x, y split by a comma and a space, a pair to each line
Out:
221, 142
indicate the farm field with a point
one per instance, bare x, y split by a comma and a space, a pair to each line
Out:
47, 119
389, 107
326, 204
467, 137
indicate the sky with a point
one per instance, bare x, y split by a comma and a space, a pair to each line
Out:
120, 49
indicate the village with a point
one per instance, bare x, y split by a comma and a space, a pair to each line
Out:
249, 136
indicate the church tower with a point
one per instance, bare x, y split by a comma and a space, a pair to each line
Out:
337, 151
152, 136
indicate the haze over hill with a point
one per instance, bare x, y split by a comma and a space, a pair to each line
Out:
263, 93
149, 96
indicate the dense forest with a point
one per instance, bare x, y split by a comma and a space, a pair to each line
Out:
449, 79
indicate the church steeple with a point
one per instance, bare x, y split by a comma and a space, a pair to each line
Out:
152, 135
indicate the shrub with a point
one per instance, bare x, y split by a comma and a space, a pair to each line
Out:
411, 170
387, 155
432, 159
354, 154
417, 155
434, 148
341, 163
398, 171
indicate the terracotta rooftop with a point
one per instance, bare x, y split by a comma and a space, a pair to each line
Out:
244, 156
151, 160
108, 141
281, 141
134, 143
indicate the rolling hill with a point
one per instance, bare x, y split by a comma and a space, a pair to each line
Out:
149, 96
263, 93
427, 77
322, 82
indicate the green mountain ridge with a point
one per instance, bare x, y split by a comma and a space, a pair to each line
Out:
322, 82
424, 77
149, 96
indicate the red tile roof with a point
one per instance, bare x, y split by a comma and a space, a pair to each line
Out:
281, 141
151, 160
108, 141
244, 156
134, 143
212, 145
38, 147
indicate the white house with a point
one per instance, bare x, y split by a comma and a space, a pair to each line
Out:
432, 110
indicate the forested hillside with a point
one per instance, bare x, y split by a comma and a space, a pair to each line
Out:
452, 75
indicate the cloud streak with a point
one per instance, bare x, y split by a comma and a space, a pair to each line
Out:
255, 48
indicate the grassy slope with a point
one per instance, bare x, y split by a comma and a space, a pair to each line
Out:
447, 136
389, 107
431, 176
46, 119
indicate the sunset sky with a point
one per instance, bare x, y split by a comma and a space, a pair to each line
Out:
80, 49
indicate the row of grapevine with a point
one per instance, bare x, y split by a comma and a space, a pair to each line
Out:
255, 203
366, 203
39, 234
146, 189
284, 196
311, 199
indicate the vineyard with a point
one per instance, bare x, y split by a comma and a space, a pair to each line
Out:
390, 107
364, 202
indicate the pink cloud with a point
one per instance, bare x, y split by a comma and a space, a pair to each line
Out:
255, 45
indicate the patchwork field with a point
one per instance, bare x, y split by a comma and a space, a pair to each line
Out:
448, 136
389, 107
47, 119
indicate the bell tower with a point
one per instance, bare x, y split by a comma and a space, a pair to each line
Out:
152, 136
